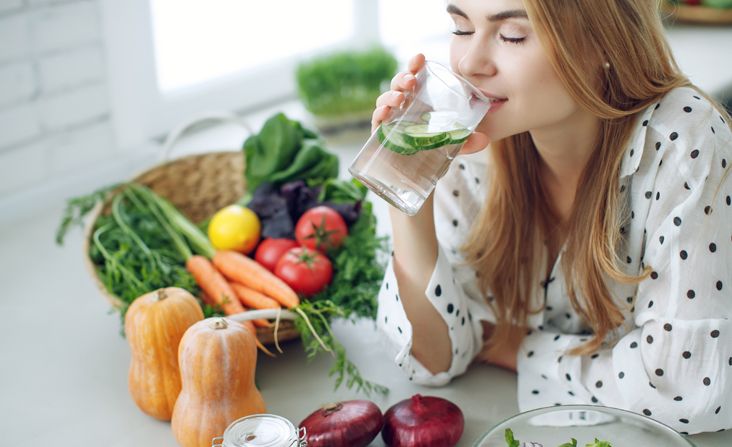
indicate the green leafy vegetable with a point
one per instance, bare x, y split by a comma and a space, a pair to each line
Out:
512, 442
344, 82
284, 150
312, 163
342, 191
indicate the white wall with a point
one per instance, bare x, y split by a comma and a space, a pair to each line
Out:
54, 101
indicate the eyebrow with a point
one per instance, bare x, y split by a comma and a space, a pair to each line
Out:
510, 14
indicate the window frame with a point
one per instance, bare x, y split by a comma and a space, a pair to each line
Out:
140, 112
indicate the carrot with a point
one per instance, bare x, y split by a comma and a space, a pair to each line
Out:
214, 284
251, 298
246, 271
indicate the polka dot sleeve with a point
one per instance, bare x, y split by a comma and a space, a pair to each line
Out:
451, 288
677, 364
461, 315
674, 362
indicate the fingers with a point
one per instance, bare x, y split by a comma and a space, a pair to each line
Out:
401, 82
392, 98
380, 114
476, 142
416, 63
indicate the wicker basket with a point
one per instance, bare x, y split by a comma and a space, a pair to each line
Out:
198, 185
698, 14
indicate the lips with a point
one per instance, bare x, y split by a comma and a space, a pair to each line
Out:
493, 98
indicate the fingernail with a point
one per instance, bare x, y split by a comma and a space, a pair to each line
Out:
408, 77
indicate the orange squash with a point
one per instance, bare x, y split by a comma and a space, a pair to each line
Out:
218, 359
154, 325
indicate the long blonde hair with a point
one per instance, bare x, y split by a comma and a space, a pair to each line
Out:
505, 244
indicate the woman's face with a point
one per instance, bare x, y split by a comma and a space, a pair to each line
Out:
496, 48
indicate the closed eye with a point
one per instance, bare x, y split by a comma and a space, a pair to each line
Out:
515, 40
457, 32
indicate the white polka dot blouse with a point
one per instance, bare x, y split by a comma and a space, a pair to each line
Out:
672, 358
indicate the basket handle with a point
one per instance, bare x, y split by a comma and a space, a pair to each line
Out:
217, 117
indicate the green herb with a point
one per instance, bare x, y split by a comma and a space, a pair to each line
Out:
344, 82
319, 314
511, 442
79, 207
284, 150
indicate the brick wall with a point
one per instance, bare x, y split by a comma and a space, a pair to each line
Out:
54, 100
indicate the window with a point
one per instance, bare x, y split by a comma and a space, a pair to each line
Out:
197, 41
415, 26
170, 60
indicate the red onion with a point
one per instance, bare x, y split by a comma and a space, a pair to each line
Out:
423, 421
351, 423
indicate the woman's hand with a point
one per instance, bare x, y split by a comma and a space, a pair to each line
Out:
404, 82
400, 83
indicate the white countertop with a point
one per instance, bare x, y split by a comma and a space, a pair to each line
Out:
63, 373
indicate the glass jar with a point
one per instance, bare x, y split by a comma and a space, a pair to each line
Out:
261, 430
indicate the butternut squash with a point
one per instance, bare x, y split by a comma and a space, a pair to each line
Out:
217, 359
154, 326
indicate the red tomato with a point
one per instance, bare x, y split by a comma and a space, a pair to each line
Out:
321, 228
271, 250
306, 271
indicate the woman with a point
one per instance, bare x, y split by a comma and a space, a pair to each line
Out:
589, 248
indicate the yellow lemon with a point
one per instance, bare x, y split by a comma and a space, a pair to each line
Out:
234, 228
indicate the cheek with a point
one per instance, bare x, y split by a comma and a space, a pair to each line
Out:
544, 92
537, 98
457, 50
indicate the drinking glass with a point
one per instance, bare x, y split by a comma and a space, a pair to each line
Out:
406, 155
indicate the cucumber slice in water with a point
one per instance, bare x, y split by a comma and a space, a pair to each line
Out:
408, 138
420, 137
459, 135
391, 138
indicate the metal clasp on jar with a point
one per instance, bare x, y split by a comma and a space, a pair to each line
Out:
301, 440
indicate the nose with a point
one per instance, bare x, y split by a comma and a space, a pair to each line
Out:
477, 61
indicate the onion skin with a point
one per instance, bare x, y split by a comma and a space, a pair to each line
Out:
423, 421
351, 423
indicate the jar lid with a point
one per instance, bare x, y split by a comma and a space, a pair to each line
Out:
261, 430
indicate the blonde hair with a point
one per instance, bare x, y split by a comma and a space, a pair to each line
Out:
505, 244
